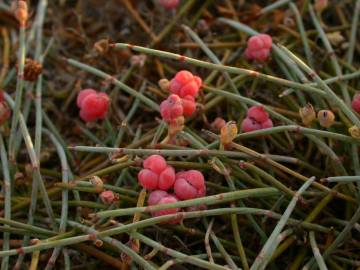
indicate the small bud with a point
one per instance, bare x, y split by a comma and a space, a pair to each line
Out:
164, 84
228, 133
102, 46
355, 132
335, 38
21, 12
98, 243
307, 114
320, 5
32, 70
176, 126
218, 124
326, 118
97, 183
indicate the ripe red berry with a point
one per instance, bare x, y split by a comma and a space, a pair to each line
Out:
185, 84
155, 163
258, 113
93, 105
355, 104
166, 178
267, 124
148, 179
189, 105
155, 196
169, 4
249, 124
83, 94
165, 200
171, 108
258, 47
189, 185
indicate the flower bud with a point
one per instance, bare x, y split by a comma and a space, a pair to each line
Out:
355, 132
21, 12
97, 183
228, 133
326, 118
307, 114
164, 84
32, 70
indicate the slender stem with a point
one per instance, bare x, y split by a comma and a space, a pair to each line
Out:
7, 192
268, 249
319, 259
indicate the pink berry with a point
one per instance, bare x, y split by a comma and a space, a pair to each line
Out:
189, 89
185, 83
267, 124
83, 94
148, 179
108, 197
249, 124
189, 105
93, 106
166, 178
258, 113
356, 103
267, 40
171, 108
155, 196
155, 163
169, 4
258, 47
189, 185
166, 200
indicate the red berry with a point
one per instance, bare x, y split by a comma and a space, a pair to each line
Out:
108, 197
166, 178
249, 124
148, 179
83, 94
185, 83
165, 200
171, 108
169, 4
93, 106
267, 124
189, 89
189, 105
155, 196
189, 185
258, 113
258, 47
155, 163
355, 104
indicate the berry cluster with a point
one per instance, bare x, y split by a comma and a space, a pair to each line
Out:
257, 118
258, 47
159, 177
93, 105
184, 88
156, 174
